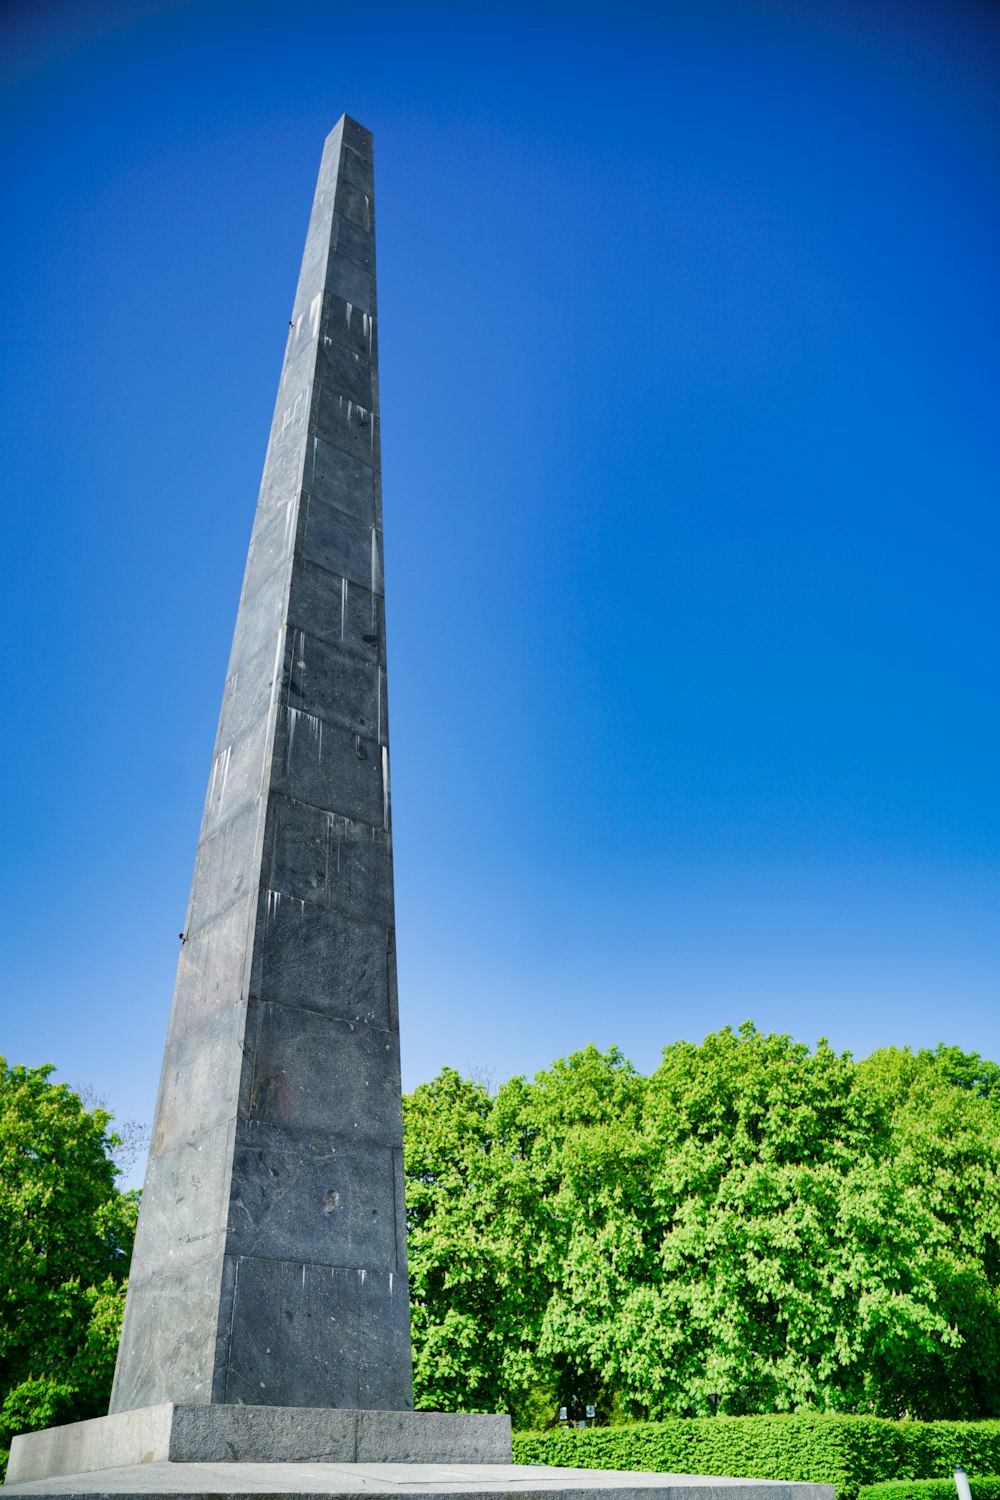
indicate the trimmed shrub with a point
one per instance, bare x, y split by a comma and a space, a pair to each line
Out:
851, 1453
987, 1488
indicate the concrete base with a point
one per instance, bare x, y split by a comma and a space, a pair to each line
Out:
250, 1435
407, 1481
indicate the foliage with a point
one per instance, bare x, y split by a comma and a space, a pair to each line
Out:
986, 1488
966, 1070
492, 1186
849, 1452
756, 1226
65, 1242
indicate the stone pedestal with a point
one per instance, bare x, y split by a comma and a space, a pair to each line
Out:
249, 1435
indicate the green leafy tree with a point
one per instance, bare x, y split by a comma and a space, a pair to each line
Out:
793, 1256
756, 1227
943, 1115
65, 1242
492, 1186
478, 1287
966, 1070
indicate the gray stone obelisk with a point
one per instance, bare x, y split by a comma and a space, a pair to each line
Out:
267, 1319
270, 1260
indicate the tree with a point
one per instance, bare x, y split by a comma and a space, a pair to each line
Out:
65, 1243
491, 1214
755, 1227
942, 1110
797, 1268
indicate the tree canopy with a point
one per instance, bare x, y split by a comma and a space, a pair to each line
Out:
757, 1226
65, 1242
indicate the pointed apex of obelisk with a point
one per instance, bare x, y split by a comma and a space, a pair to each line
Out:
351, 133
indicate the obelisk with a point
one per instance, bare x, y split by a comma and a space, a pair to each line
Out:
267, 1319
270, 1259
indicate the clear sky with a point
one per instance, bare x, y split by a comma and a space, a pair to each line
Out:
689, 359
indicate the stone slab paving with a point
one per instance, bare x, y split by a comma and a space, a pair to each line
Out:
464, 1482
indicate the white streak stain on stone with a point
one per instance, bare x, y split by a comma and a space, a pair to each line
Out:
220, 774
331, 824
275, 674
314, 311
315, 729
225, 771
385, 787
350, 310
343, 607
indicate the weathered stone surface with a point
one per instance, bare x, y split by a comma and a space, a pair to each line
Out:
331, 1331
337, 480
171, 1326
183, 1215
270, 1263
330, 859
322, 764
202, 1073
134, 1437
212, 968
321, 960
305, 1200
344, 544
431, 1437
332, 684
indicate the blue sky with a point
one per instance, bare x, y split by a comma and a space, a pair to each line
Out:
689, 358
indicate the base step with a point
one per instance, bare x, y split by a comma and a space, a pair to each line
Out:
320, 1481
181, 1434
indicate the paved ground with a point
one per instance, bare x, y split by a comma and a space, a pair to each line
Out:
407, 1481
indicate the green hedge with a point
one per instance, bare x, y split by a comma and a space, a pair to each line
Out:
848, 1452
930, 1489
